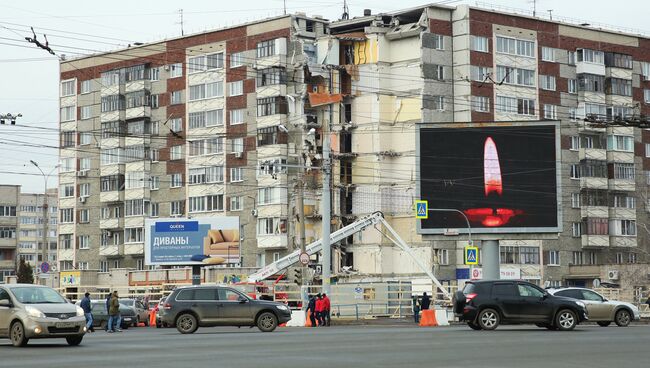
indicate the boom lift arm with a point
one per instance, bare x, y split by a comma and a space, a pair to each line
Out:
340, 234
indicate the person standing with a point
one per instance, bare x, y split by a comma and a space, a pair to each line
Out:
87, 307
108, 308
426, 302
416, 309
115, 318
327, 321
319, 310
311, 310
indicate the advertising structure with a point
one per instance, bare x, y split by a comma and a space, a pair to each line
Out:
69, 278
196, 241
503, 178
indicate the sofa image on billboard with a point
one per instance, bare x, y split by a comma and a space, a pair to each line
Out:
222, 243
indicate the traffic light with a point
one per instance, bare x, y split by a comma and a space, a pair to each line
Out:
297, 276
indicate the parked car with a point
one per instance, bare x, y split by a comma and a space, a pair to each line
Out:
35, 312
188, 308
141, 312
484, 305
601, 310
100, 314
158, 308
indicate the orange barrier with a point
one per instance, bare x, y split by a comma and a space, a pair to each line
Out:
140, 324
308, 321
282, 325
152, 318
428, 318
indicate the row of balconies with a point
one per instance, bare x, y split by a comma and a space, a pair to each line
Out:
606, 241
605, 212
607, 184
602, 154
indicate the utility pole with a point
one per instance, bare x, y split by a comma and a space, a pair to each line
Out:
180, 12
300, 202
46, 245
325, 201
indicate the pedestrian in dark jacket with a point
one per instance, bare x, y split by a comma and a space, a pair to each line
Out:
311, 310
416, 310
114, 314
320, 305
108, 307
87, 307
426, 302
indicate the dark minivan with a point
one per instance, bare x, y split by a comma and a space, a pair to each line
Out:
191, 307
487, 304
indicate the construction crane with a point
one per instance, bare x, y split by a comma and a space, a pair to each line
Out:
342, 233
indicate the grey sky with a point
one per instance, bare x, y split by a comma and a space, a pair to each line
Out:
29, 76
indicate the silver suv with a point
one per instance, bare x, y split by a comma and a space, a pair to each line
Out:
601, 310
35, 312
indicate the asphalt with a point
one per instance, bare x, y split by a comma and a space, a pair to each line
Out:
343, 346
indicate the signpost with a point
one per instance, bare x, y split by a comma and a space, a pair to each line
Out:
471, 255
304, 258
422, 210
45, 267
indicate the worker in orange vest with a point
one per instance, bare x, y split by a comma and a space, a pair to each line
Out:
326, 310
320, 305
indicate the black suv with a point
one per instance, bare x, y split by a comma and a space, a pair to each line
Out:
486, 304
191, 307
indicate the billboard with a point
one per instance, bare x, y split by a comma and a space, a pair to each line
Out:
503, 178
196, 241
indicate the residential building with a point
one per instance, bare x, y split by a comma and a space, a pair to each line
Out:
9, 204
209, 124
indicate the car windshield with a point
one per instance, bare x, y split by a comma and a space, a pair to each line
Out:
37, 295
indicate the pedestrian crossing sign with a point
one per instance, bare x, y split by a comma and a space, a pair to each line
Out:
471, 255
422, 210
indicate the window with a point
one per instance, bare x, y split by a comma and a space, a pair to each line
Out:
112, 103
133, 235
86, 86
618, 112
237, 145
154, 101
85, 112
236, 174
646, 96
571, 58
436, 103
480, 73
176, 70
236, 88
116, 263
67, 113
270, 76
112, 183
547, 82
479, 43
113, 129
236, 203
265, 48
103, 266
196, 176
65, 240
272, 167
548, 54
177, 97
7, 232
271, 106
67, 215
576, 229
617, 86
516, 47
616, 60
525, 106
647, 150
504, 289
270, 195
135, 207
177, 208
442, 256
623, 201
271, 226
154, 154
438, 42
68, 139
154, 74
554, 258
624, 171
506, 104
154, 183
511, 75
135, 179
440, 73
137, 99
84, 216
196, 64
596, 110
619, 258
622, 227
68, 88
577, 258
590, 56
267, 136
529, 255
9, 211
110, 78
591, 83
528, 290
85, 138
68, 164
572, 86
84, 190
573, 114
236, 59
83, 241
575, 200
597, 226
214, 202
481, 103
176, 180
197, 204
631, 258
208, 90
237, 116
575, 140
176, 152
66, 191
214, 174
509, 255
550, 112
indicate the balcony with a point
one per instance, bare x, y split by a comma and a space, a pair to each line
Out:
622, 185
272, 241
271, 120
592, 154
66, 254
8, 243
111, 250
134, 249
111, 169
594, 211
595, 241
583, 67
112, 196
587, 272
138, 112
112, 116
7, 264
593, 183
111, 223
624, 241
622, 213
271, 90
137, 85
622, 157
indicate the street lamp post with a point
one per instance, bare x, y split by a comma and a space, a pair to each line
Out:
45, 242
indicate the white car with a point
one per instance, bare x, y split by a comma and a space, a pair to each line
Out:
601, 310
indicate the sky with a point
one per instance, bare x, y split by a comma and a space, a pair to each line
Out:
29, 77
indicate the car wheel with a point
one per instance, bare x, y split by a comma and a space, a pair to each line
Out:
17, 334
474, 326
604, 323
74, 340
267, 322
622, 318
566, 320
488, 319
186, 323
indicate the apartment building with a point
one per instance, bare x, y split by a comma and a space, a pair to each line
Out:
461, 67
210, 124
21, 228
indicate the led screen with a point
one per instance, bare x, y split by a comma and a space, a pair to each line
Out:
503, 178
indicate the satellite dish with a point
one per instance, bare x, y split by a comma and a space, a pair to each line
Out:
596, 283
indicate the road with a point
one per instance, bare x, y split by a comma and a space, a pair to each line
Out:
343, 346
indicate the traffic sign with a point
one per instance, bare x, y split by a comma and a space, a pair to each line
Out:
304, 258
45, 267
422, 210
471, 255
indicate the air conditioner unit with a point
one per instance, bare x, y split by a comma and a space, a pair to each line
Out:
254, 213
239, 154
167, 67
612, 274
82, 173
82, 199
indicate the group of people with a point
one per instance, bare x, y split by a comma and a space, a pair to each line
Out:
318, 310
112, 307
420, 304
